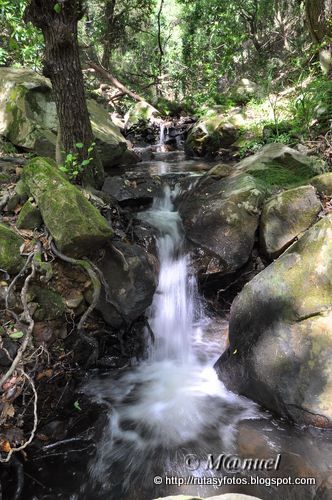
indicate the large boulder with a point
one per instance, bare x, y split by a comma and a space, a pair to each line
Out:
280, 334
222, 216
285, 216
28, 117
141, 111
130, 283
278, 165
323, 183
11, 260
212, 134
76, 226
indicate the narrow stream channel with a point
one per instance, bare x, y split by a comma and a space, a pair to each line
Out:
167, 415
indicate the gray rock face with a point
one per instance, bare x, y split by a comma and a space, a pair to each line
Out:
281, 333
323, 183
285, 216
130, 289
222, 217
28, 117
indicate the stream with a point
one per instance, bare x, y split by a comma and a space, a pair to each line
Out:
166, 415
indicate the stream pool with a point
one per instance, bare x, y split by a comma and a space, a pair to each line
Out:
164, 420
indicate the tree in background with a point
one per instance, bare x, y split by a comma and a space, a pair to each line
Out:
58, 22
319, 20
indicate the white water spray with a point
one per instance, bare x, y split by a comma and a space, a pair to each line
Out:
174, 399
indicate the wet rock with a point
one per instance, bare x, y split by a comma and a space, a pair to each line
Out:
281, 333
323, 183
131, 284
285, 216
221, 217
75, 224
134, 189
29, 217
10, 259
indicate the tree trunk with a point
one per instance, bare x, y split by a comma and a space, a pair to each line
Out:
319, 18
109, 18
58, 22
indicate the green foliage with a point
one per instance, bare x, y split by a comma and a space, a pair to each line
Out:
72, 166
20, 44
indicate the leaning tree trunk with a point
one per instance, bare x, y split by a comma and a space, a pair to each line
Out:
58, 22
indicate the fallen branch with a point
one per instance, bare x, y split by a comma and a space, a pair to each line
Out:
114, 81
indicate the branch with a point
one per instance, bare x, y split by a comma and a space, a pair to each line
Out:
108, 76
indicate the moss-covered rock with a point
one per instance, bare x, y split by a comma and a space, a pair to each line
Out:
285, 216
323, 183
141, 111
10, 258
211, 134
29, 217
281, 332
76, 226
50, 305
28, 117
278, 165
222, 216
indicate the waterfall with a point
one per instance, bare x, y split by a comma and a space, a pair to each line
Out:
163, 131
173, 401
173, 309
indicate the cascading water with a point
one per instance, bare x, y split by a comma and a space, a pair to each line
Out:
173, 402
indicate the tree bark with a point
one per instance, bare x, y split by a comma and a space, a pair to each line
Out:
319, 18
109, 18
58, 22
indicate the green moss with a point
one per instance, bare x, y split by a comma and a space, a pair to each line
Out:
76, 226
10, 258
50, 303
29, 217
281, 176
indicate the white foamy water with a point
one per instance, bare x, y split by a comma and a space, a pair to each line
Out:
174, 400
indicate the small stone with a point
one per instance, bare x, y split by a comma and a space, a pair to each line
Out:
74, 300
29, 217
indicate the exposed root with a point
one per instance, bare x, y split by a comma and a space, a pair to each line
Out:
28, 334
122, 257
87, 266
35, 421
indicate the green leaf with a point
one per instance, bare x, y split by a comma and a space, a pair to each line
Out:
16, 335
79, 145
57, 7
77, 406
69, 157
85, 163
63, 169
